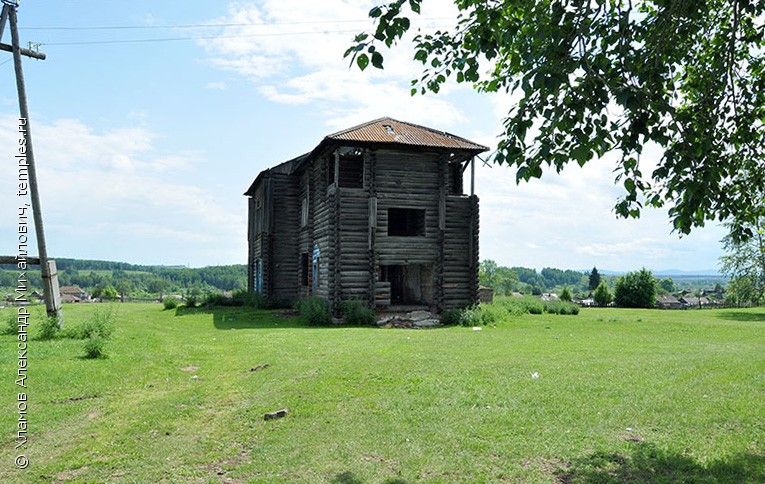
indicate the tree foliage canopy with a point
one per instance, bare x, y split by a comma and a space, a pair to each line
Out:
602, 295
636, 290
599, 76
501, 279
744, 264
594, 280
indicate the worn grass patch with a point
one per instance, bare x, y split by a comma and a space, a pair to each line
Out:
609, 395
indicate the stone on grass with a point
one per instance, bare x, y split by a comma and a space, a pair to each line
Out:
276, 414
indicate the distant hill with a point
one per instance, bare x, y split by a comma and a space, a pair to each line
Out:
134, 280
705, 273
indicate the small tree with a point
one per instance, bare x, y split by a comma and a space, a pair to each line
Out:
636, 290
744, 264
565, 294
594, 279
487, 273
667, 285
602, 295
742, 291
109, 293
502, 279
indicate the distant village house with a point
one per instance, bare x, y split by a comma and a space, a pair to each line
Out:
74, 294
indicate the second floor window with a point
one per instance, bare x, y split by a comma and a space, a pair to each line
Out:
406, 222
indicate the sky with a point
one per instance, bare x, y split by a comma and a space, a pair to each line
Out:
151, 119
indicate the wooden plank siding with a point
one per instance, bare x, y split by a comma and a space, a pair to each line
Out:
353, 256
460, 252
406, 223
254, 235
321, 211
284, 228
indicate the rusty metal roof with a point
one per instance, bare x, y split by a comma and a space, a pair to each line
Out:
381, 131
389, 130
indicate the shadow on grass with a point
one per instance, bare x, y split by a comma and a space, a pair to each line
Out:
649, 464
226, 317
743, 316
350, 478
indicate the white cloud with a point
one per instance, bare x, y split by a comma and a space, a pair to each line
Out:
216, 85
293, 51
567, 220
116, 183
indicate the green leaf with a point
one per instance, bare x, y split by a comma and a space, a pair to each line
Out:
581, 154
377, 60
362, 61
414, 5
629, 185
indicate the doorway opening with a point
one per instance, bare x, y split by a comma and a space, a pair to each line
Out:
409, 284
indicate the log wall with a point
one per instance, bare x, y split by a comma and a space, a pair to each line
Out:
285, 229
350, 229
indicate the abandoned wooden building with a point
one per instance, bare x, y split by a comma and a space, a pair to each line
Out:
376, 213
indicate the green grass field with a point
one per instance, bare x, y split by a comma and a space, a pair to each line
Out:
619, 396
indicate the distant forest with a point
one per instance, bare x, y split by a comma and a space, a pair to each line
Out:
135, 281
505, 280
151, 282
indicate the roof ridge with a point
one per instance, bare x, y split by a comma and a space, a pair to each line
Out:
359, 126
347, 133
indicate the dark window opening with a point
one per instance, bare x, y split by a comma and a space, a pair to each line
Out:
304, 212
406, 222
329, 170
455, 179
305, 269
352, 171
384, 274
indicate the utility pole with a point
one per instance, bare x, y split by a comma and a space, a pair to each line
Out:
47, 267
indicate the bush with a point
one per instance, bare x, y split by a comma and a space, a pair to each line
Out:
315, 311
451, 317
243, 298
561, 307
636, 290
217, 299
94, 347
101, 324
191, 301
97, 331
50, 328
602, 295
473, 316
170, 302
517, 306
491, 313
253, 299
11, 325
357, 312
536, 308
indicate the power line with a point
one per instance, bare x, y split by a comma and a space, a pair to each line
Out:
202, 37
192, 26
196, 26
210, 37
